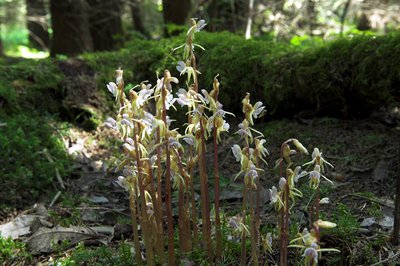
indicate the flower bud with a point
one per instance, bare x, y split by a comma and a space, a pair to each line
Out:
282, 183
324, 201
325, 224
299, 146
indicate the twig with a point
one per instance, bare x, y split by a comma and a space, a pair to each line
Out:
95, 208
385, 260
370, 199
55, 199
59, 179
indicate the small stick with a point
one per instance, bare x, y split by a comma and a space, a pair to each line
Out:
385, 260
48, 157
55, 199
370, 199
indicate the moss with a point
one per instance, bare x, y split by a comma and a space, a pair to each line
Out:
103, 255
345, 77
13, 252
30, 85
26, 172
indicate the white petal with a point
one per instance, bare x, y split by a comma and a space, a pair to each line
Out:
258, 108
237, 152
112, 87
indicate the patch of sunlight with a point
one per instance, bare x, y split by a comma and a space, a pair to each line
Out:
26, 52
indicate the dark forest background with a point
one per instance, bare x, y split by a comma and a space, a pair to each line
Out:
71, 27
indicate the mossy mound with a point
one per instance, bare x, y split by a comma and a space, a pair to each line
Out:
30, 85
343, 78
346, 77
30, 154
67, 88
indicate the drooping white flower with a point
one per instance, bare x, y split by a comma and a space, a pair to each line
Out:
266, 243
260, 147
297, 174
184, 98
273, 192
144, 94
324, 201
315, 177
311, 254
317, 159
200, 25
258, 109
189, 139
174, 144
111, 123
181, 67
112, 87
122, 182
282, 183
244, 130
237, 152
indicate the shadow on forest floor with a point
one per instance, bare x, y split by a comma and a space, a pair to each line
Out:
364, 152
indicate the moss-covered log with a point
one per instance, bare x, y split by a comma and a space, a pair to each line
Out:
340, 78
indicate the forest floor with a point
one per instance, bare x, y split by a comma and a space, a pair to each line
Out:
365, 154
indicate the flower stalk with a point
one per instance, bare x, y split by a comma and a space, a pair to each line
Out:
168, 204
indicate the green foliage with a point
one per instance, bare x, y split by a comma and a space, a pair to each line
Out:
347, 224
12, 252
97, 256
13, 38
306, 41
70, 215
30, 86
348, 76
25, 170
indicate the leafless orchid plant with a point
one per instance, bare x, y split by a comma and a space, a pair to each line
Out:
158, 159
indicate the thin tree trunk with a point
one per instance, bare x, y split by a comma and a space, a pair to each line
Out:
249, 20
175, 12
1, 48
70, 25
311, 15
343, 16
396, 227
1, 40
136, 13
105, 24
37, 24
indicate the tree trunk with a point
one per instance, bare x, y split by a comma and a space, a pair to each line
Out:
311, 14
396, 227
137, 17
105, 24
70, 25
1, 48
227, 15
343, 16
1, 40
249, 23
37, 25
175, 12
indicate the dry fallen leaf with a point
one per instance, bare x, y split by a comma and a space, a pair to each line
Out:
46, 240
18, 227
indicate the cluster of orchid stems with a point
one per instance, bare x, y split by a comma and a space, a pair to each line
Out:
155, 158
156, 162
285, 197
249, 156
